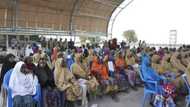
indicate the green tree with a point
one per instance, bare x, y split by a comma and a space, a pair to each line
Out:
130, 36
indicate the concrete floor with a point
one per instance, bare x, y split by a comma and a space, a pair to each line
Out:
132, 99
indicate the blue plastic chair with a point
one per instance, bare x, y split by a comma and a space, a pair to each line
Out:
36, 97
184, 77
147, 89
150, 86
69, 61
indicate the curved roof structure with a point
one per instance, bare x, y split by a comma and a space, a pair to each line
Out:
56, 17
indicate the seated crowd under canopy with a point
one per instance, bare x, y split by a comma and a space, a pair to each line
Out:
69, 75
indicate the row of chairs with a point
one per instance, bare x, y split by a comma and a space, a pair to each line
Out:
147, 90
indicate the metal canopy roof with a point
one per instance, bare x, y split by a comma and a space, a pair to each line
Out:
73, 16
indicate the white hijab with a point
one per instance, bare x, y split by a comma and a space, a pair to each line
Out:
22, 84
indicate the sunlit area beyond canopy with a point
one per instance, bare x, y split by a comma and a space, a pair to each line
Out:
153, 19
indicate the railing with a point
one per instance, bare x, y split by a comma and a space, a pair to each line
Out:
45, 31
166, 45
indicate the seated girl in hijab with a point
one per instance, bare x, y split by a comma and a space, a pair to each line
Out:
121, 73
81, 76
108, 85
91, 81
66, 82
131, 69
95, 66
111, 82
23, 84
50, 96
77, 67
166, 66
178, 69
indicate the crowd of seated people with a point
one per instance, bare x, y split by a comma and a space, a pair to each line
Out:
93, 72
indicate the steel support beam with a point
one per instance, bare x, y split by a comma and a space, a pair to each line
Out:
113, 18
104, 3
14, 10
5, 18
31, 31
7, 42
91, 16
71, 17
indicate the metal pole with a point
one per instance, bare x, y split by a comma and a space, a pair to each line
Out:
71, 17
16, 12
7, 42
121, 9
5, 18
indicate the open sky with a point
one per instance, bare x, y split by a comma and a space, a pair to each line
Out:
153, 19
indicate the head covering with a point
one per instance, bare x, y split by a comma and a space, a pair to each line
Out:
155, 58
177, 63
77, 57
18, 66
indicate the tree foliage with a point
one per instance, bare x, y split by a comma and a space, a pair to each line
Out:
130, 36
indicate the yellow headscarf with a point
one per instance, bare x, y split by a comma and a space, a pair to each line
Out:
37, 57
62, 76
167, 66
77, 68
158, 67
176, 63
